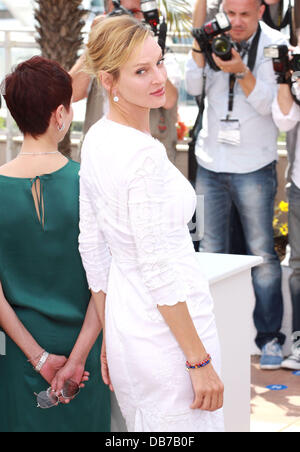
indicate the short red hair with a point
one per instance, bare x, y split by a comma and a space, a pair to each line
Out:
34, 90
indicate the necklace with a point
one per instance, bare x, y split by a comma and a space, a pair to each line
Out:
39, 153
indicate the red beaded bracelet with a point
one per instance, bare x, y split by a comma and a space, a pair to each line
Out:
198, 365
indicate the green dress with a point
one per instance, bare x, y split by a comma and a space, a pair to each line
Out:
44, 281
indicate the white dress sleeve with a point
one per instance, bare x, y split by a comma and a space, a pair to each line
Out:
95, 254
285, 123
149, 224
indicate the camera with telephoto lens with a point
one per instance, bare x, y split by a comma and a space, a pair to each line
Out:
212, 39
151, 15
283, 62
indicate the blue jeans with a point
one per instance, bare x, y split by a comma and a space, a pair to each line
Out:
253, 195
294, 240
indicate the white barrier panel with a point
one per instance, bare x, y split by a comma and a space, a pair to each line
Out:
232, 290
2, 344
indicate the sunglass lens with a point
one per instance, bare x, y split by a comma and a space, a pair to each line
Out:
46, 399
70, 389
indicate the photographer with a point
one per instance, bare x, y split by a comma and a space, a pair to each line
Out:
287, 116
163, 120
276, 15
237, 153
283, 15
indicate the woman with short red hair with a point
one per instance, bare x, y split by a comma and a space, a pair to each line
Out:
45, 307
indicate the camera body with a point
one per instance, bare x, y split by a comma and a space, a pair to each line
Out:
151, 15
212, 39
282, 63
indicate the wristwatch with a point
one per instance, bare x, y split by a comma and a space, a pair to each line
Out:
242, 75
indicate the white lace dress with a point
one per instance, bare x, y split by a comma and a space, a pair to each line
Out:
136, 247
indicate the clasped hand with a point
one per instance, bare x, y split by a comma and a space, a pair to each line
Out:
58, 369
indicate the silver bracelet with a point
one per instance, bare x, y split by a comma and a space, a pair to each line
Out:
41, 362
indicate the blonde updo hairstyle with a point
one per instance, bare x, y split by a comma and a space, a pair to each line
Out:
111, 44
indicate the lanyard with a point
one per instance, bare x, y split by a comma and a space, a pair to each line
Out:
280, 13
251, 63
232, 81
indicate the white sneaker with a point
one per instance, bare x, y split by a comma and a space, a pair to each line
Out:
293, 361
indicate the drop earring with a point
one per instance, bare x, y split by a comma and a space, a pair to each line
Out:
116, 99
62, 128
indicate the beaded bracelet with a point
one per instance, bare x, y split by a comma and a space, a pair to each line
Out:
198, 365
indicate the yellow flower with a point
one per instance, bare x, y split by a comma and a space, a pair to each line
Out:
284, 206
275, 222
284, 229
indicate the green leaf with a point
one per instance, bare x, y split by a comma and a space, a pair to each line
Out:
178, 14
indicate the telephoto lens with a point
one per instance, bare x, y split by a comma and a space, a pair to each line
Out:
222, 47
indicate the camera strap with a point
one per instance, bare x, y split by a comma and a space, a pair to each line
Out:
194, 133
162, 37
252, 54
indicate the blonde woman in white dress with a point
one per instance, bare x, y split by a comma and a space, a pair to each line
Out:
136, 248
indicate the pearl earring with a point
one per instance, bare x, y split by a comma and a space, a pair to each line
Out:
116, 99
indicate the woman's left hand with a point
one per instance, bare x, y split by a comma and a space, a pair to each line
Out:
53, 365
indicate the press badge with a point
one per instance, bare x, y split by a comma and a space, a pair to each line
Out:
230, 132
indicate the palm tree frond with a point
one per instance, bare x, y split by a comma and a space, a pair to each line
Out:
178, 14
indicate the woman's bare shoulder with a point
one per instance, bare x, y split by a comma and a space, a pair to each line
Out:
9, 168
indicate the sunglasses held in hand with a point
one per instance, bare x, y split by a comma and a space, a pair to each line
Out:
48, 399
